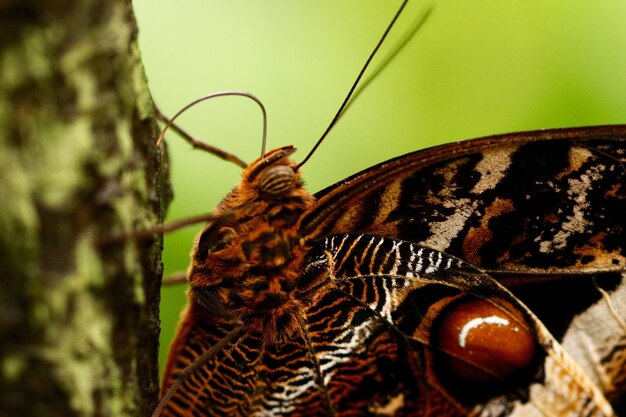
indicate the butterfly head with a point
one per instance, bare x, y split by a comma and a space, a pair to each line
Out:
249, 256
273, 176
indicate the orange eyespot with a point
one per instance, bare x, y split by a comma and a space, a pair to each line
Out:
485, 343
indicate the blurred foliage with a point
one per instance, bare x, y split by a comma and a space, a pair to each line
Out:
474, 69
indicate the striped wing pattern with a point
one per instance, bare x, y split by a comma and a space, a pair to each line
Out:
365, 346
407, 289
529, 201
386, 253
345, 360
542, 211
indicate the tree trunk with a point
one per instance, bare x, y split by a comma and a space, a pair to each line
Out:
78, 166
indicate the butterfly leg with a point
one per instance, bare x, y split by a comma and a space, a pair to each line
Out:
211, 302
158, 230
176, 278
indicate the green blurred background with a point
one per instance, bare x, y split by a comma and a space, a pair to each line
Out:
476, 68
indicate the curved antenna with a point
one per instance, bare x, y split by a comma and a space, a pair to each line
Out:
220, 94
354, 85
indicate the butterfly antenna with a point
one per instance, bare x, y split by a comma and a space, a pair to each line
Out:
198, 144
354, 85
417, 25
170, 123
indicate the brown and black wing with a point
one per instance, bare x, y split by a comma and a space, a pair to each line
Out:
223, 385
544, 200
542, 211
357, 352
378, 333
370, 344
551, 201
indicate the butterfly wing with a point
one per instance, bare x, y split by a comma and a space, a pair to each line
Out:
377, 339
540, 200
539, 207
352, 356
246, 378
219, 386
367, 345
348, 358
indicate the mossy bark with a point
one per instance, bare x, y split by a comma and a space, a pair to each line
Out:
78, 166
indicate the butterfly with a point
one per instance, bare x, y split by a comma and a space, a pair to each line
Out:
362, 300
380, 295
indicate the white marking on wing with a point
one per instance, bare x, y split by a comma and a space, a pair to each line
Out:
397, 257
578, 190
443, 232
492, 168
356, 336
475, 323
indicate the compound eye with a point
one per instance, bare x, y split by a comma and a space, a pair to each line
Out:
277, 180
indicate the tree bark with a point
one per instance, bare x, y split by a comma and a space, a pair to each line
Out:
78, 166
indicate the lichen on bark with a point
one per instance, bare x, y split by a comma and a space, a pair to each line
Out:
78, 312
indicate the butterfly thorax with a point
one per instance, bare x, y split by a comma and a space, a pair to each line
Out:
250, 257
